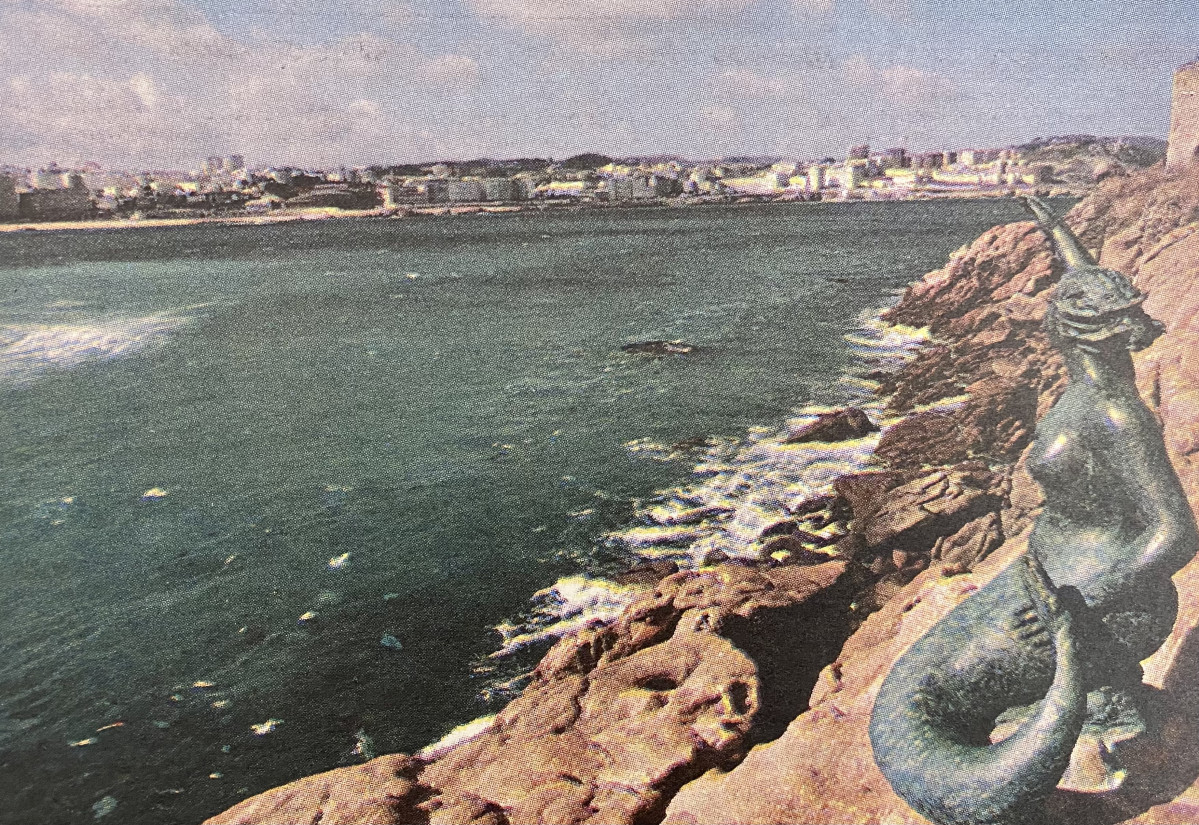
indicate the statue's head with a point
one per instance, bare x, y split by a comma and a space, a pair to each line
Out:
1099, 308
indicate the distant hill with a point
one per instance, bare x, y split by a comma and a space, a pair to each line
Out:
511, 166
1086, 158
634, 160
753, 160
587, 160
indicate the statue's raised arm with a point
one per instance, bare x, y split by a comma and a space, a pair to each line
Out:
1050, 648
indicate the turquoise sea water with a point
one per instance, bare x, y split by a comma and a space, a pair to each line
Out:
301, 472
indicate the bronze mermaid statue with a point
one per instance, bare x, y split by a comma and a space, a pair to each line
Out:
1050, 648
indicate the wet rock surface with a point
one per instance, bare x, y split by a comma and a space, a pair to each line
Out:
841, 425
616, 718
659, 349
741, 691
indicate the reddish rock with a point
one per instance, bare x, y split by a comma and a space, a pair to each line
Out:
822, 770
795, 545
647, 574
995, 421
813, 505
617, 717
914, 515
992, 371
382, 791
929, 377
1003, 261
864, 492
971, 544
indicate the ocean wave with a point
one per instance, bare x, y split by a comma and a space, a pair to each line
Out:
878, 342
742, 497
568, 605
28, 350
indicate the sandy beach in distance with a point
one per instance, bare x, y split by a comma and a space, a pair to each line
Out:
146, 223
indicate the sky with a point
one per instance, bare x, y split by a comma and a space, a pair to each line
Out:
157, 84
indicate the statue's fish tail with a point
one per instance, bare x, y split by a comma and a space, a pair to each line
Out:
956, 782
1068, 246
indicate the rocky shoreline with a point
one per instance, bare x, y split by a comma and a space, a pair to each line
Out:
740, 691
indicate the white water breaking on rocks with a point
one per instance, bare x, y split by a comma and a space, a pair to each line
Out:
764, 480
568, 605
742, 488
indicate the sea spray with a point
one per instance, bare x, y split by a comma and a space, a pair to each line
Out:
457, 736
568, 605
28, 350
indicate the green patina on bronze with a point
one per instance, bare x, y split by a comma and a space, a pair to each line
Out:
1051, 646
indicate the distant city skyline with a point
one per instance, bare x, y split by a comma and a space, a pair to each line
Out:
167, 83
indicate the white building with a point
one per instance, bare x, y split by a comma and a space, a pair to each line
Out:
46, 179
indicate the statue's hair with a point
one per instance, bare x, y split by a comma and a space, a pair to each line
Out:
1092, 305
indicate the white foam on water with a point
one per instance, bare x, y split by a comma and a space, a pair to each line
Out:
463, 733
28, 350
651, 449
741, 496
876, 334
568, 605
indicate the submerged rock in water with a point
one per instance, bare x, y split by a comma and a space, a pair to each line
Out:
659, 349
841, 425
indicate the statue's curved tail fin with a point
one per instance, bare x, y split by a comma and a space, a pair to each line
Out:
1068, 244
956, 782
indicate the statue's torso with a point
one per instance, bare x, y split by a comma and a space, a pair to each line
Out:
1089, 520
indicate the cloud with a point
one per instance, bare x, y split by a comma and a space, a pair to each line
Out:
542, 12
451, 70
775, 107
812, 7
721, 117
133, 82
894, 9
899, 84
747, 83
164, 26
638, 30
91, 116
144, 87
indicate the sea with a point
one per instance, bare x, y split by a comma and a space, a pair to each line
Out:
277, 499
